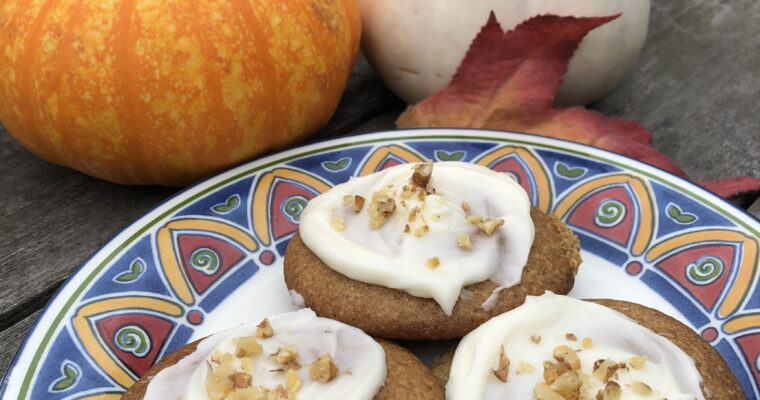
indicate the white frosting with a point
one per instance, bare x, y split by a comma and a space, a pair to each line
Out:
391, 258
669, 371
360, 359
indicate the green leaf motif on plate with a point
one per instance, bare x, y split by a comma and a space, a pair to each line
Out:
69, 377
338, 165
228, 206
676, 214
569, 172
135, 270
450, 156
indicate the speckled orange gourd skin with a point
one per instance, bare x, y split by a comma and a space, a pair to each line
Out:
167, 91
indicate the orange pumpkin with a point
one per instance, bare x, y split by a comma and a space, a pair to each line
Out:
167, 91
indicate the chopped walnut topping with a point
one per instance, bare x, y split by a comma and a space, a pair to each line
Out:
264, 329
587, 343
611, 391
339, 224
407, 228
246, 364
382, 205
413, 214
502, 370
490, 226
567, 385
422, 174
356, 202
406, 192
542, 391
474, 219
567, 355
641, 388
323, 369
524, 368
292, 383
285, 355
463, 241
241, 380
219, 380
247, 346
604, 370
552, 371
638, 361
420, 232
535, 339
571, 337
433, 262
466, 207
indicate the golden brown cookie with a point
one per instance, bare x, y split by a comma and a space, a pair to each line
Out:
407, 377
718, 382
394, 314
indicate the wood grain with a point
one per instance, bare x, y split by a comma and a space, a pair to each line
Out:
695, 87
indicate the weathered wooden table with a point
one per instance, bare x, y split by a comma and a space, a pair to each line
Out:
696, 87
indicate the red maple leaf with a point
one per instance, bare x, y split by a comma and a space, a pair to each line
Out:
508, 80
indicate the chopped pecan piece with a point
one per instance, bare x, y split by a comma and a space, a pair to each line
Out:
248, 346
542, 391
339, 224
264, 329
604, 370
638, 361
567, 355
568, 385
463, 241
611, 391
552, 371
422, 174
524, 368
641, 388
356, 202
241, 380
502, 370
292, 383
323, 369
490, 226
285, 355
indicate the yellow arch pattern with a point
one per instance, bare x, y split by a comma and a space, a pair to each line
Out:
262, 193
645, 230
747, 268
104, 396
381, 153
742, 323
168, 256
95, 348
543, 185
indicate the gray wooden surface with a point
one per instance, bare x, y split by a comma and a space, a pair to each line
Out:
695, 87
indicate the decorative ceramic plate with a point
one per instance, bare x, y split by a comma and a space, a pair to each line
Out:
211, 257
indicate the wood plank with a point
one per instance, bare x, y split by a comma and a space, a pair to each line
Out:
696, 86
12, 338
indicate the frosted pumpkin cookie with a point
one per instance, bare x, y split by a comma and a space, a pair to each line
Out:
287, 357
427, 251
555, 347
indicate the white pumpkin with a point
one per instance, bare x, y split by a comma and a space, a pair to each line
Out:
417, 45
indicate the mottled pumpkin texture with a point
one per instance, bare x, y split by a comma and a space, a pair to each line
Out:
167, 91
